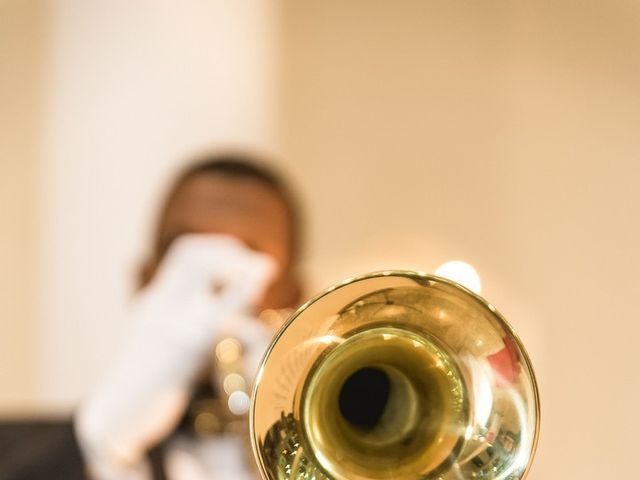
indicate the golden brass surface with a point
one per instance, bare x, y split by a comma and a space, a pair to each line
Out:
395, 375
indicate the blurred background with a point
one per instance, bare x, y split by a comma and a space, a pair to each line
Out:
505, 134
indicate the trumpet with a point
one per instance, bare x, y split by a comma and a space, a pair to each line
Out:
395, 375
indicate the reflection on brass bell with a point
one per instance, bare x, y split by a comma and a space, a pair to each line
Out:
395, 375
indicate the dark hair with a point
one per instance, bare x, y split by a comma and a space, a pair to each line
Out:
238, 166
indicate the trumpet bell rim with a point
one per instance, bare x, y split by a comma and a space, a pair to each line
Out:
279, 398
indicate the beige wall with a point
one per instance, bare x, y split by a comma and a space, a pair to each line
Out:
21, 55
501, 133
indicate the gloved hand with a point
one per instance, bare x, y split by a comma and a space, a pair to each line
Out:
203, 280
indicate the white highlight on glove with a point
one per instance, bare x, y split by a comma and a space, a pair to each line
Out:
203, 281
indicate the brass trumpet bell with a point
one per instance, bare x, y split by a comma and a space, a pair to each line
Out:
395, 375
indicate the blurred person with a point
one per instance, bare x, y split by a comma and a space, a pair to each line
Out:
224, 250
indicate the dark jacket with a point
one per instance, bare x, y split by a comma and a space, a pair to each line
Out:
48, 450
39, 450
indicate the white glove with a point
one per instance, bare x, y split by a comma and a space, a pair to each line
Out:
203, 280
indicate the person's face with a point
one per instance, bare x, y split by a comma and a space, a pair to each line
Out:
245, 208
